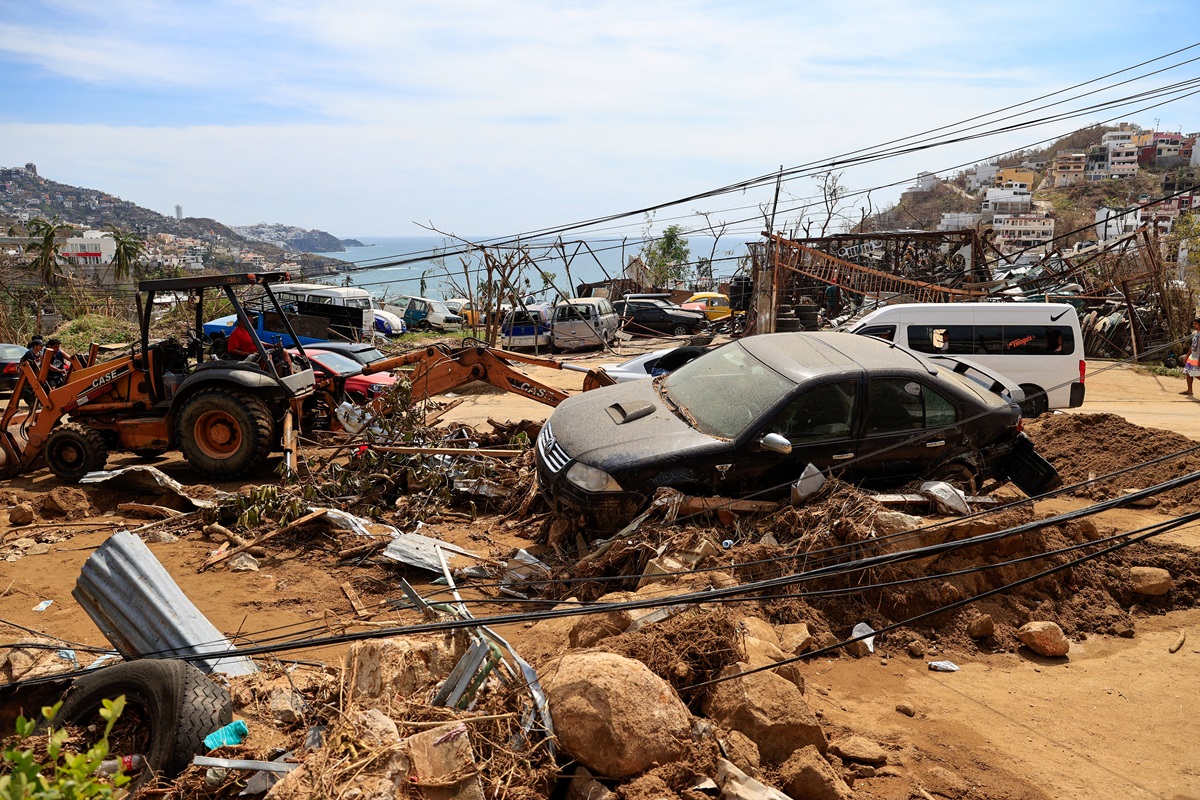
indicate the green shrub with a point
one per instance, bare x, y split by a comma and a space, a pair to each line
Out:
60, 774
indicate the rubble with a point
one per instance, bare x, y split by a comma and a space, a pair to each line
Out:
1044, 638
768, 709
1150, 581
806, 774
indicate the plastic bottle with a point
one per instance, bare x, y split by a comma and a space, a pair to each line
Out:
233, 733
127, 764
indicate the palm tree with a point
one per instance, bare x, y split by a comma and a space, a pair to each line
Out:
48, 249
129, 251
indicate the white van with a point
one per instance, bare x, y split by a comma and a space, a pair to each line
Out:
584, 322
1036, 345
348, 296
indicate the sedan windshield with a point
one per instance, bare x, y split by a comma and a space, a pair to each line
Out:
337, 363
722, 392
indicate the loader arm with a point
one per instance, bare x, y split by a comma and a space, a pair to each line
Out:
438, 369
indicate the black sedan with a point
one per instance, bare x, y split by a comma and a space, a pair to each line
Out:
10, 362
746, 419
648, 317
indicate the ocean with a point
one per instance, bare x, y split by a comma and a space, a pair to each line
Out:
390, 266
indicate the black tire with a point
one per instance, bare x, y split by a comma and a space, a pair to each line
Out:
784, 311
176, 702
1035, 403
787, 325
680, 330
225, 433
958, 475
73, 450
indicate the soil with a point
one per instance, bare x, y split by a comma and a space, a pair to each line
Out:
1113, 719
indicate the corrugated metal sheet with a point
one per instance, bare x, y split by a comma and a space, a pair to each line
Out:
138, 606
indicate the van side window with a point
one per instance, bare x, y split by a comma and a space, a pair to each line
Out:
941, 339
1038, 340
887, 332
604, 307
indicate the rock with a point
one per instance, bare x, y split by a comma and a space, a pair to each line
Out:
808, 776
858, 748
376, 728
32, 658
1151, 581
441, 762
67, 501
916, 648
742, 751
862, 771
286, 706
161, 537
888, 772
584, 787
648, 785
890, 522
767, 708
294, 785
1044, 638
757, 652
737, 785
400, 666
38, 549
613, 715
859, 649
20, 514
759, 629
589, 629
243, 562
981, 627
794, 638
907, 709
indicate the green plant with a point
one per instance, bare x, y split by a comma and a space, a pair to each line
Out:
72, 776
666, 257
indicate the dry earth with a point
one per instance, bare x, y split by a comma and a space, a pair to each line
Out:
1117, 718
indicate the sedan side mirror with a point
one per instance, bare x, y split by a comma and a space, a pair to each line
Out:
776, 443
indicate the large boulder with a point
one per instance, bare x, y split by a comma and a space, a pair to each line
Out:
770, 710
1044, 638
794, 638
858, 748
808, 776
1151, 581
613, 715
401, 666
759, 629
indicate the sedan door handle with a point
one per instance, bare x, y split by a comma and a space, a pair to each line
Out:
938, 443
843, 456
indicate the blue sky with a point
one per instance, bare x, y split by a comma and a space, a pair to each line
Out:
501, 117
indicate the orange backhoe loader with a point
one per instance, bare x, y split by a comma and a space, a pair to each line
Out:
226, 416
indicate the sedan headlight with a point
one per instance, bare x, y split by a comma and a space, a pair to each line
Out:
376, 388
592, 479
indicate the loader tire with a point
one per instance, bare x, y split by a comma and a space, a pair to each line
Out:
73, 450
170, 704
225, 433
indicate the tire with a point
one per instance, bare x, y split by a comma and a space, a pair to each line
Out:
680, 330
73, 450
787, 325
225, 433
958, 475
1035, 403
177, 704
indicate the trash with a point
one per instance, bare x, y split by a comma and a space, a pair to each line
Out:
127, 764
420, 551
214, 777
523, 568
138, 607
727, 543
944, 666
237, 763
150, 480
233, 733
808, 486
243, 562
949, 501
42, 606
863, 629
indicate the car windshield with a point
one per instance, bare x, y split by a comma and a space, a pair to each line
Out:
440, 307
722, 392
358, 302
337, 363
365, 356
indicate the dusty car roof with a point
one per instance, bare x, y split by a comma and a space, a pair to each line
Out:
804, 355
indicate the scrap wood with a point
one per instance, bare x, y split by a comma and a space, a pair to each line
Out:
219, 557
355, 601
364, 549
434, 416
450, 451
692, 505
147, 508
1179, 642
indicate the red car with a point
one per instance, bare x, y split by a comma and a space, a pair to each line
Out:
359, 388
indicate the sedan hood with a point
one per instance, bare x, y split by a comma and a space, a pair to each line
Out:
617, 427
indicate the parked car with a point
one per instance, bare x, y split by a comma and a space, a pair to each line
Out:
10, 362
584, 322
347, 372
362, 352
386, 322
652, 364
422, 313
464, 308
714, 305
527, 327
748, 417
647, 317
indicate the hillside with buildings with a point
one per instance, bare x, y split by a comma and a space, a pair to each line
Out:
1093, 185
174, 244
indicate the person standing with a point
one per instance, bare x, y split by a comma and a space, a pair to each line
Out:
1191, 367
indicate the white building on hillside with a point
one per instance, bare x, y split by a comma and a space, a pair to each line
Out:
1023, 231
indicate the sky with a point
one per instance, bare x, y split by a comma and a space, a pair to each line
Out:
481, 119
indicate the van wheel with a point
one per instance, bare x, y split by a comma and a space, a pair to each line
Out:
1035, 403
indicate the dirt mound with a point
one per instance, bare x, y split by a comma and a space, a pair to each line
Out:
1086, 446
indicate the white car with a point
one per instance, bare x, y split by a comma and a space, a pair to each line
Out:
652, 364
